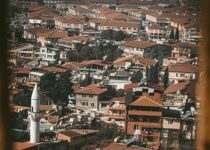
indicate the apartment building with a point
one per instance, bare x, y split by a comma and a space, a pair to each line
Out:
117, 111
89, 98
147, 49
183, 71
186, 49
145, 114
48, 53
70, 42
40, 16
51, 37
148, 67
70, 22
23, 51
155, 32
103, 24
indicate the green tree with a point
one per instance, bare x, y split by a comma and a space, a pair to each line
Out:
177, 34
165, 78
171, 36
119, 36
58, 87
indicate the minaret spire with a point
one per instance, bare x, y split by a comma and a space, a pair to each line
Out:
35, 115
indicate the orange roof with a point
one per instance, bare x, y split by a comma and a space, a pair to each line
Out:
54, 34
38, 30
185, 45
135, 59
71, 19
77, 39
22, 71
54, 69
147, 102
84, 131
91, 89
139, 44
177, 87
93, 62
129, 87
184, 68
24, 145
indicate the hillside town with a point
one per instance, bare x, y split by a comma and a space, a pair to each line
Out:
104, 74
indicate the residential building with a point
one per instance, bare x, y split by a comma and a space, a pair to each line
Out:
145, 114
171, 129
147, 49
117, 111
23, 51
77, 138
148, 67
51, 37
155, 32
120, 78
71, 42
70, 22
89, 98
105, 24
48, 53
186, 49
184, 71
40, 16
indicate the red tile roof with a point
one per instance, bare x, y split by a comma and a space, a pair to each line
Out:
22, 71
129, 87
185, 45
93, 62
147, 101
177, 87
115, 146
54, 34
24, 145
91, 89
55, 69
183, 68
139, 44
135, 59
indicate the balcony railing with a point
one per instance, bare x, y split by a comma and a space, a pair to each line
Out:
144, 113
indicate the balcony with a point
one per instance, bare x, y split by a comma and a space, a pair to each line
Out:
145, 124
116, 116
144, 113
117, 108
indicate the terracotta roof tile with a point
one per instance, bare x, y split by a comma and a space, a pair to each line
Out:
183, 68
139, 44
177, 87
147, 102
91, 89
93, 62
135, 59
54, 69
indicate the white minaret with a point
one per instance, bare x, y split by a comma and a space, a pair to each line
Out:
35, 116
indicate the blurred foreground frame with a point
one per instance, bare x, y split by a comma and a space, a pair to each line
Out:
5, 140
203, 139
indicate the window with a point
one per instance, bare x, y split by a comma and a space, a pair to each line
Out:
136, 127
86, 103
92, 104
90, 95
83, 95
170, 121
182, 75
